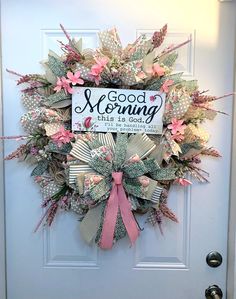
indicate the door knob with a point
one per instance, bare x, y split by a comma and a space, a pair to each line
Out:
213, 292
214, 259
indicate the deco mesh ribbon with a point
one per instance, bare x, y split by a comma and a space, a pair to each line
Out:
108, 178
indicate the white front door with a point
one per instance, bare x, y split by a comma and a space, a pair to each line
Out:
56, 263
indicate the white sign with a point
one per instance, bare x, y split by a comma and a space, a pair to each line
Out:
117, 110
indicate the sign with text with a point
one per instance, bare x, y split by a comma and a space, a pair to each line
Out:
117, 110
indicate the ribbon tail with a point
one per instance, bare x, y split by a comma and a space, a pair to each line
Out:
110, 218
127, 215
90, 224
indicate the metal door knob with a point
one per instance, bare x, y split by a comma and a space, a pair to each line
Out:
214, 259
213, 292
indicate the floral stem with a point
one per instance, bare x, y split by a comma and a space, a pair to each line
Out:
175, 48
65, 32
14, 73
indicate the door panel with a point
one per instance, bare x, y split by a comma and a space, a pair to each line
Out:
56, 263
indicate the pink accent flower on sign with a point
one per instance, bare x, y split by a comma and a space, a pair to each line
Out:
62, 136
165, 86
152, 98
88, 122
75, 78
176, 126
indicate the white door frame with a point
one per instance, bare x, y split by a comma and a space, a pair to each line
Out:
231, 272
2, 201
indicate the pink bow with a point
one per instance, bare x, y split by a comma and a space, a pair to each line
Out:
116, 201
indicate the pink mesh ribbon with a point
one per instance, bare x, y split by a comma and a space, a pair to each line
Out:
118, 201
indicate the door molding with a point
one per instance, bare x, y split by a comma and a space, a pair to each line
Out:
2, 197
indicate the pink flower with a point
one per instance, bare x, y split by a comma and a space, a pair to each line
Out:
175, 98
139, 64
166, 85
158, 70
141, 75
168, 106
88, 122
183, 182
177, 137
63, 83
96, 179
70, 158
152, 98
134, 159
38, 179
102, 61
59, 85
144, 181
75, 78
95, 73
51, 113
107, 153
98, 68
176, 126
62, 136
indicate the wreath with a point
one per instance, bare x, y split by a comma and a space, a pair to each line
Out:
107, 178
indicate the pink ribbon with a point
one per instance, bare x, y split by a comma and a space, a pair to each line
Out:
118, 201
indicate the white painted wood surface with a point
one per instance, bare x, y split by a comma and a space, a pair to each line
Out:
2, 203
57, 264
